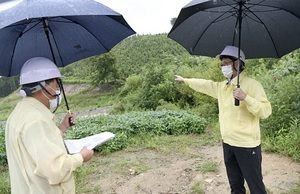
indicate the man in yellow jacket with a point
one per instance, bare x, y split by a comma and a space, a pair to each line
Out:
239, 125
37, 158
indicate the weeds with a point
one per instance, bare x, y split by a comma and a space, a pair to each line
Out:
285, 141
209, 166
197, 188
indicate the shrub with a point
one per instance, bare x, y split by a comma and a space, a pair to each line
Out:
128, 125
163, 105
132, 83
285, 104
285, 141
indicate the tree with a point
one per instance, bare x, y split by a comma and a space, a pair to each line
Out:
173, 20
8, 85
104, 68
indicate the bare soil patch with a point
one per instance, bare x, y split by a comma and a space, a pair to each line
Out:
155, 172
76, 88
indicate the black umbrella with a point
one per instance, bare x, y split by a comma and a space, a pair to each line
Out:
62, 30
261, 28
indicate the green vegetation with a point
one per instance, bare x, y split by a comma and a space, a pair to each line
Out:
129, 125
285, 141
209, 166
295, 189
4, 178
139, 73
7, 104
8, 85
197, 188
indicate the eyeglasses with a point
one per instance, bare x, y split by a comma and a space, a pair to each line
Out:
226, 63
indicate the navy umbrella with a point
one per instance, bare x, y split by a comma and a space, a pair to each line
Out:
64, 31
5, 1
261, 28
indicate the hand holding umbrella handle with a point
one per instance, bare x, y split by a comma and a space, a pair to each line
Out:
67, 105
71, 123
237, 101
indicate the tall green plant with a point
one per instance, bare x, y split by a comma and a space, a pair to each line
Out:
2, 146
285, 101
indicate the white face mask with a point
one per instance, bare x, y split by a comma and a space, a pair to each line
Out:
227, 71
54, 102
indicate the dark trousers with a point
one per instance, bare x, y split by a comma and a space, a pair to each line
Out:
244, 164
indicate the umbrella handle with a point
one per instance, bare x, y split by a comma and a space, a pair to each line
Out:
63, 91
70, 119
236, 101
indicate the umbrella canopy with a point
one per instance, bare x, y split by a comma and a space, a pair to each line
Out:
261, 28
4, 1
268, 28
63, 31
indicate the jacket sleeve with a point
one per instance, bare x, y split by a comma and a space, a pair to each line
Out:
204, 86
45, 146
257, 102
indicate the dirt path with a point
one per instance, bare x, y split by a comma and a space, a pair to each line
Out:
178, 174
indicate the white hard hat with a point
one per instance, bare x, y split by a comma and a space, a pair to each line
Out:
233, 52
38, 69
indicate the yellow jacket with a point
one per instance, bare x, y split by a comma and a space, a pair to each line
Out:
239, 125
37, 158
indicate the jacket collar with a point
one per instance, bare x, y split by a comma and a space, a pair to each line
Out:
40, 106
234, 80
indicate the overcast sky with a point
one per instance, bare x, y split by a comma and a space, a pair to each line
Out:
147, 16
4, 4
144, 16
